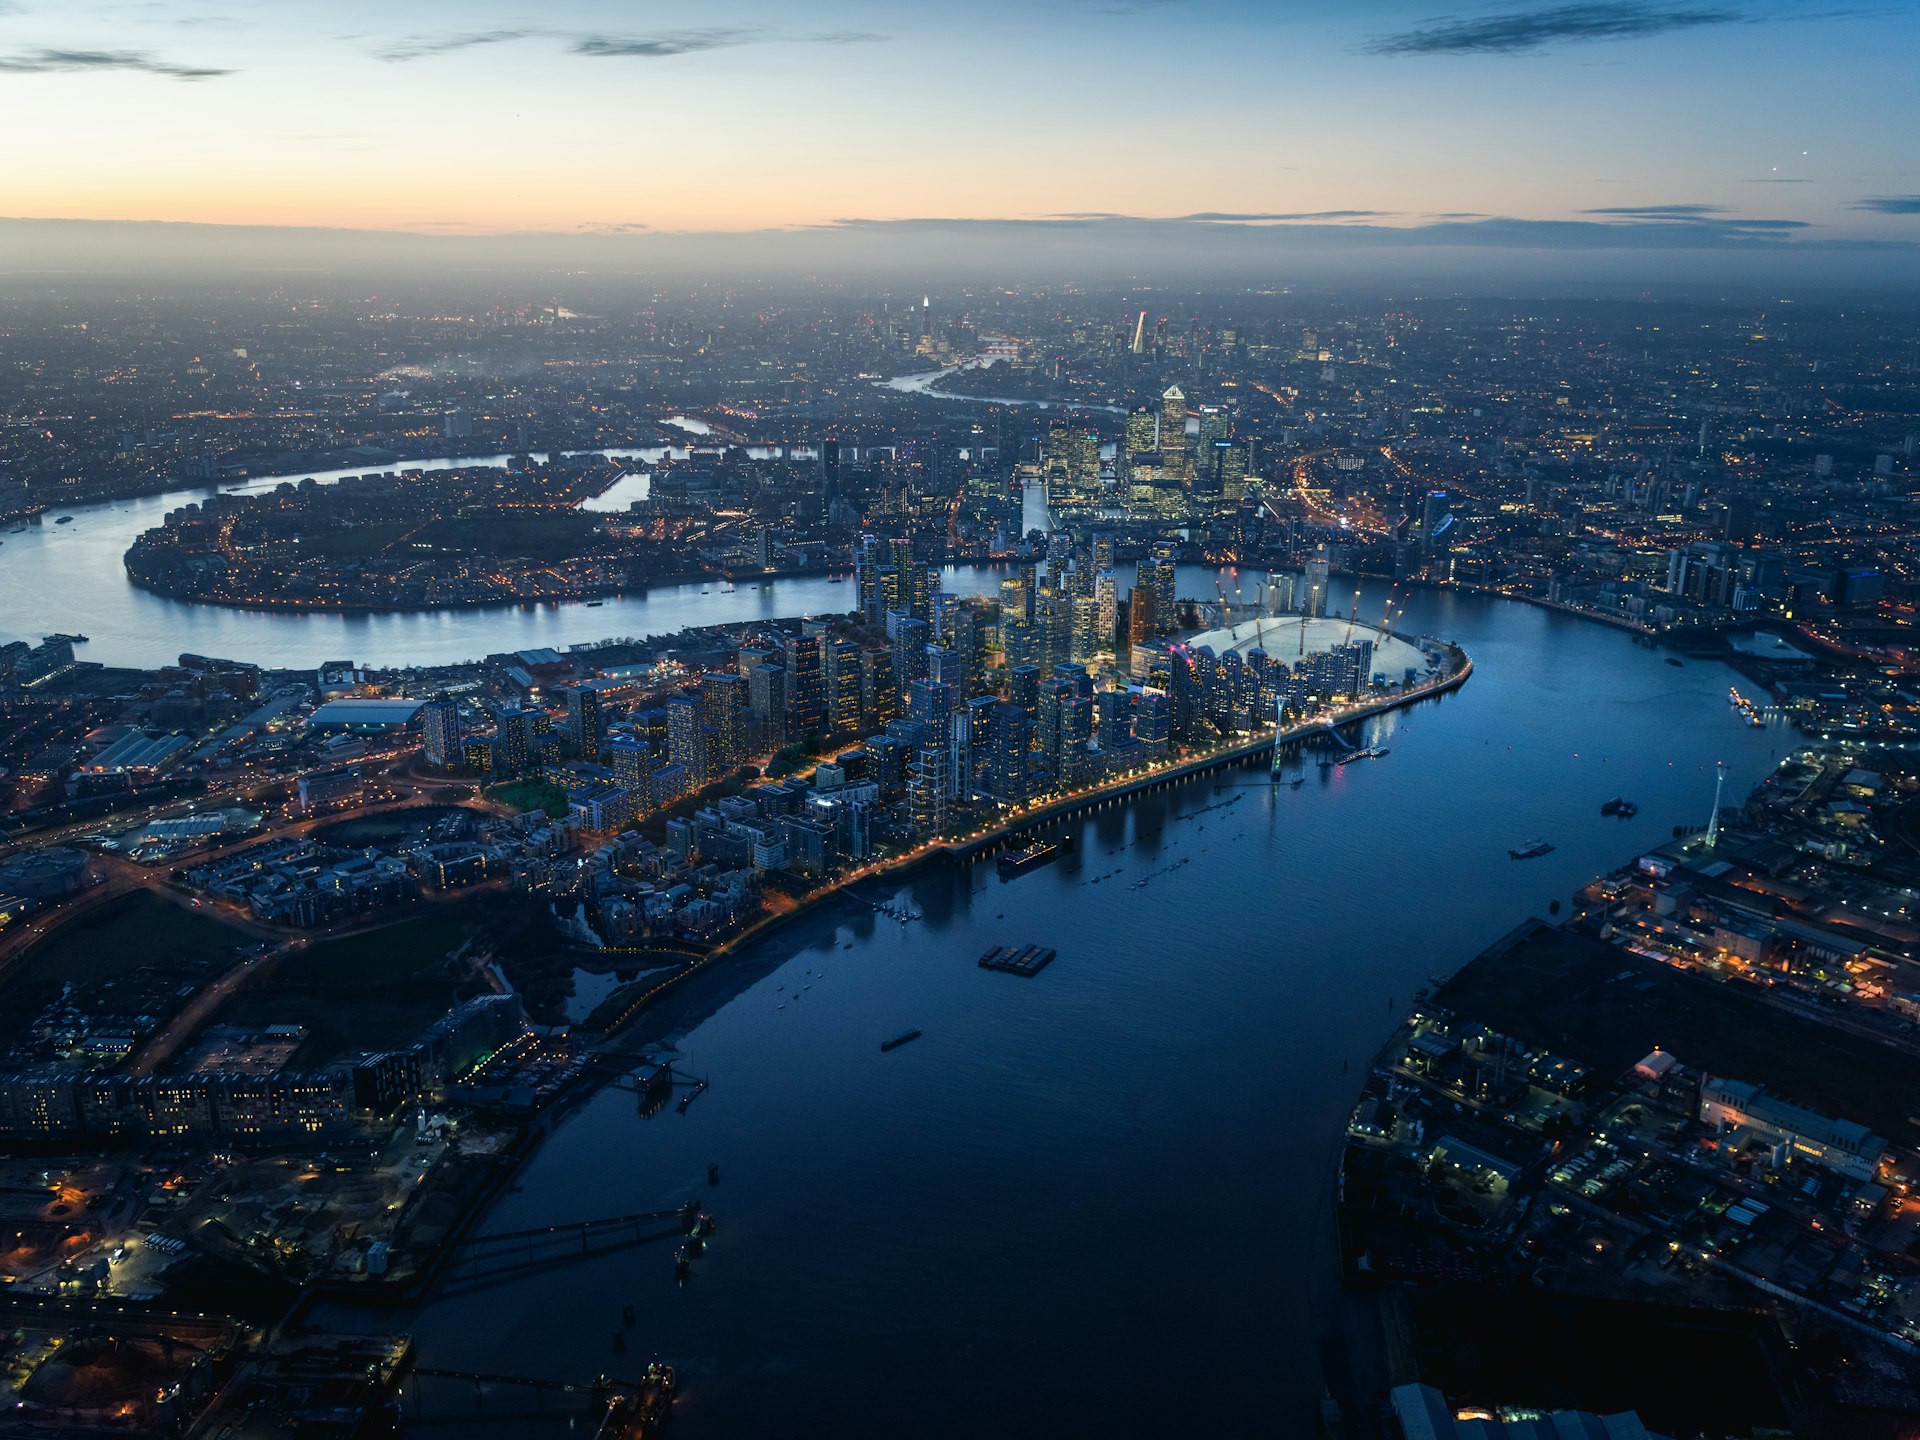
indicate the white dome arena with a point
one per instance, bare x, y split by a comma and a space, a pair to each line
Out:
1287, 642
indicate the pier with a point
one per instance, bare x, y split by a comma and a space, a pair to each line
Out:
493, 1259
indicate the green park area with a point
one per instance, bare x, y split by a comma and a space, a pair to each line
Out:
373, 991
513, 534
337, 541
530, 794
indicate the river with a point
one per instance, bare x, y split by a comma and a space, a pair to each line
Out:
925, 382
1094, 1202
1091, 1202
72, 578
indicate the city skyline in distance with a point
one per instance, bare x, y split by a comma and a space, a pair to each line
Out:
1616, 139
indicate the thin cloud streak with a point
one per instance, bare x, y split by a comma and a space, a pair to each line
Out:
595, 46
659, 47
1217, 217
1659, 212
1524, 32
690, 42
420, 47
59, 62
1891, 204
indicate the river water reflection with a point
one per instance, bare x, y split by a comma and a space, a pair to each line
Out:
1095, 1202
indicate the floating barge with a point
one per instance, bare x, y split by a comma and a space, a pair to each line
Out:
1028, 857
1028, 960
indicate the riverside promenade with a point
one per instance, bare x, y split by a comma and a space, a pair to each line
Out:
1019, 822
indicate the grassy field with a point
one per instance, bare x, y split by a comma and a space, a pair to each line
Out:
349, 542
521, 536
131, 956
413, 950
375, 991
1605, 1008
125, 935
525, 795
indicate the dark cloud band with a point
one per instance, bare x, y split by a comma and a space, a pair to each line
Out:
57, 62
1891, 204
1519, 32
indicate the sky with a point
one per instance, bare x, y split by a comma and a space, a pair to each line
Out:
1212, 129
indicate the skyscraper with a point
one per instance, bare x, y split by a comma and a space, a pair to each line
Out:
585, 723
724, 702
1226, 472
1055, 692
1215, 424
440, 732
1143, 621
1433, 517
1102, 552
1072, 472
632, 761
687, 738
843, 685
1143, 428
806, 694
1005, 772
767, 705
516, 747
1152, 720
960, 754
1055, 621
915, 585
929, 785
909, 654
1023, 687
929, 703
1086, 628
878, 702
869, 560
1173, 436
1165, 588
632, 758
967, 637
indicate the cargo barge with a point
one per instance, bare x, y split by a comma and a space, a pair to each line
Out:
1028, 960
1028, 857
